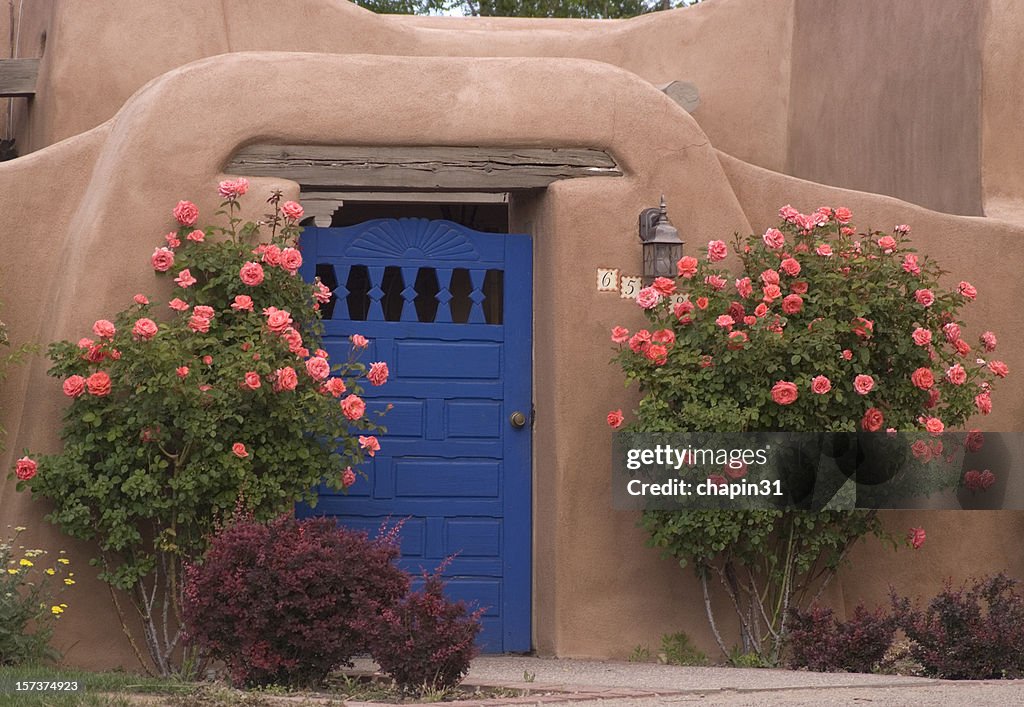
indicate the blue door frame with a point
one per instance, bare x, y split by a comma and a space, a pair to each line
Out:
450, 311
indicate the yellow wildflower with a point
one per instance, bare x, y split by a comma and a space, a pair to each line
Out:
25, 563
56, 610
49, 571
12, 571
68, 582
64, 561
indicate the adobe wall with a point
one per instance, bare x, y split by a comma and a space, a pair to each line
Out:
599, 592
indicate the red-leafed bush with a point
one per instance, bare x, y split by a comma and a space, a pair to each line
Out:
279, 603
817, 641
426, 641
968, 634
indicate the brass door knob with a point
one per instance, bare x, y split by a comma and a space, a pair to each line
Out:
518, 420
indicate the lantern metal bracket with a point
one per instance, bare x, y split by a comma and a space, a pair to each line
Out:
648, 220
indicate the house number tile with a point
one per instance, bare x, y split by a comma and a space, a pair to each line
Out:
629, 286
607, 279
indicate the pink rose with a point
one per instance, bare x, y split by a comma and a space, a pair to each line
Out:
983, 401
172, 239
791, 267
910, 264
784, 393
744, 287
792, 304
208, 360
178, 305
872, 420
104, 329
639, 342
916, 537
682, 311
353, 407
657, 354
348, 477
291, 260
735, 472
322, 294
862, 327
278, 320
715, 282
238, 449
196, 236
185, 279
717, 251
252, 380
359, 341
318, 368
334, 386
806, 222
285, 379
974, 441
824, 250
141, 299
144, 329
233, 188
988, 341
648, 298
725, 321
788, 213
956, 374
761, 310
843, 214
242, 303
887, 243
664, 286
251, 274
863, 384
820, 385
620, 335
98, 384
998, 368
962, 347
199, 324
750, 320
773, 238
847, 355
687, 266
369, 444
291, 210
717, 480
967, 289
204, 311
25, 468
921, 450
922, 337
74, 386
771, 292
952, 331
933, 425
378, 373
922, 378
615, 418
903, 229
186, 213
182, 371
269, 254
737, 340
294, 340
770, 277
799, 288
925, 297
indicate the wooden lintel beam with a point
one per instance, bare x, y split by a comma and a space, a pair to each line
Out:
429, 168
18, 77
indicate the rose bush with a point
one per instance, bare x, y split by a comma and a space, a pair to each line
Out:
823, 329
184, 406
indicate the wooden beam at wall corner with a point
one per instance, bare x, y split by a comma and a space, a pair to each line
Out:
18, 77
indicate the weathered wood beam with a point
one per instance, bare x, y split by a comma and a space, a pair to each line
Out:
454, 168
18, 77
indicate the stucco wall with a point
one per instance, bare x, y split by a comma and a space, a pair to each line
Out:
598, 592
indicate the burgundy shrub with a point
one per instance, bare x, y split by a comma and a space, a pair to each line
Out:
974, 633
426, 641
279, 603
817, 641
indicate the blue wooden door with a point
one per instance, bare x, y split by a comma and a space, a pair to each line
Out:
449, 309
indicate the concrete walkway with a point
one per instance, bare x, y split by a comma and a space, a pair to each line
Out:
584, 683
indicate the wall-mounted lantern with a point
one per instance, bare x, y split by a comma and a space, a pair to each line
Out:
661, 243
